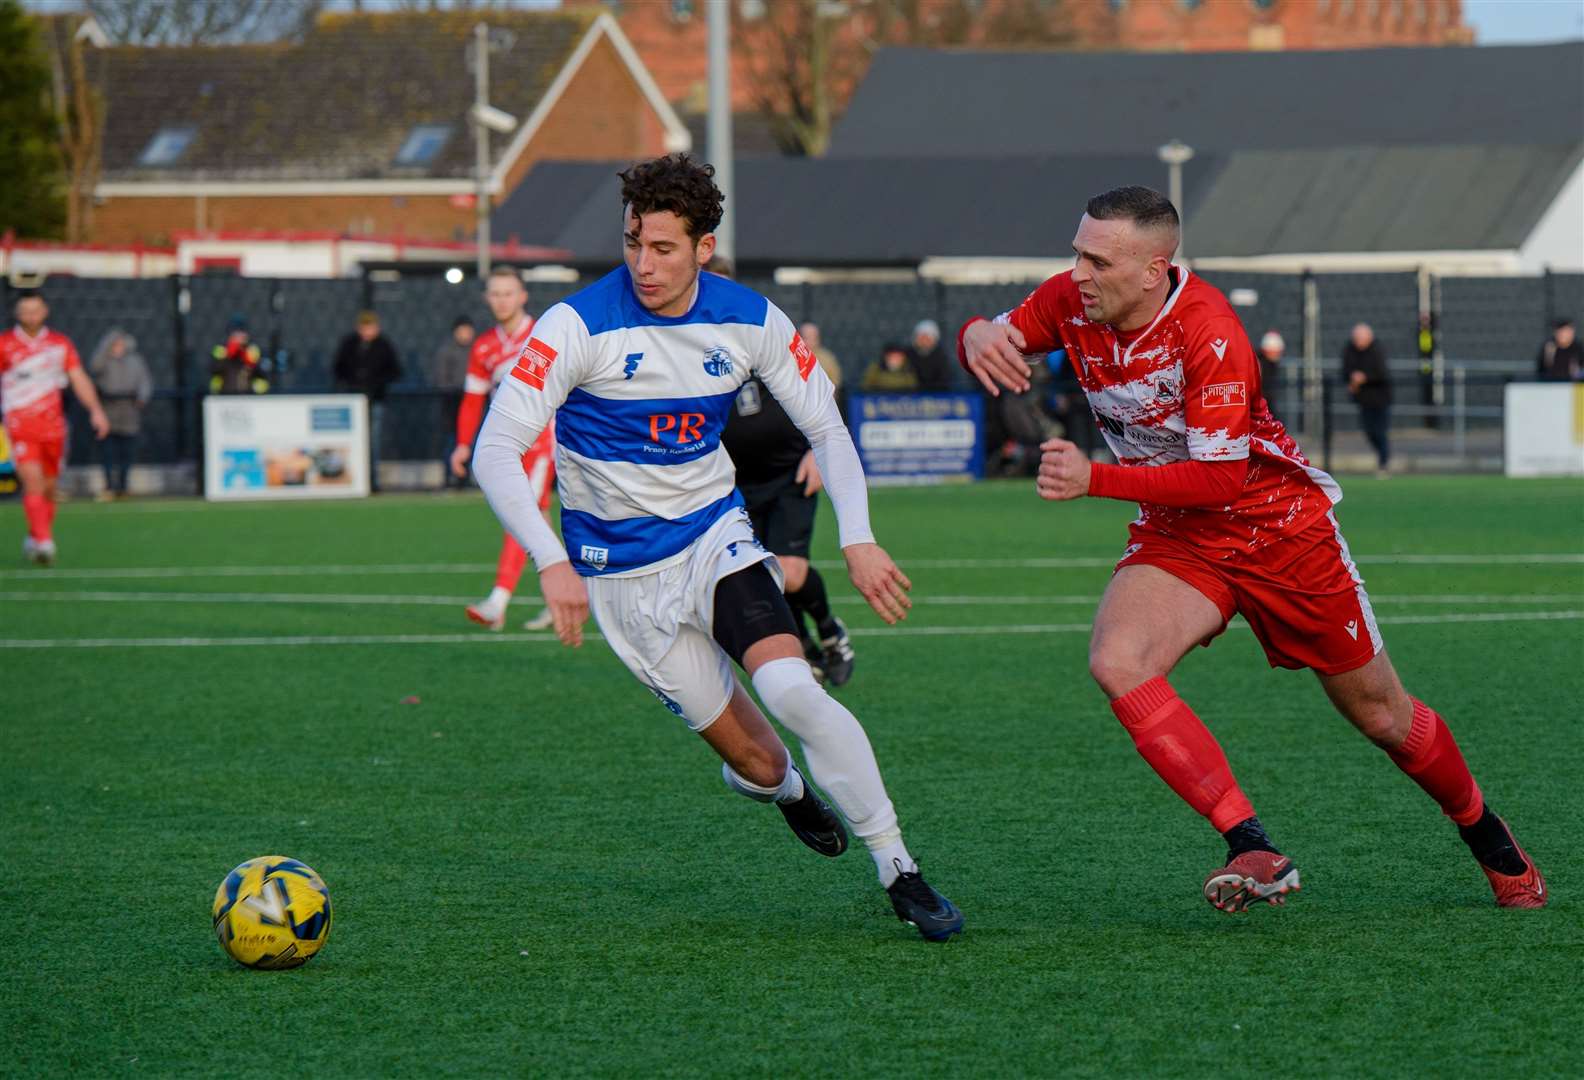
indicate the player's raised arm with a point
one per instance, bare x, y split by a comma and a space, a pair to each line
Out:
791, 372
995, 351
544, 373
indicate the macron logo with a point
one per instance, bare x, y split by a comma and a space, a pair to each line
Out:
1218, 346
1352, 629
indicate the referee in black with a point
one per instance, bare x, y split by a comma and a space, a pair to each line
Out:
778, 478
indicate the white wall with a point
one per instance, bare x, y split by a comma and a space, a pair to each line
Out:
1558, 240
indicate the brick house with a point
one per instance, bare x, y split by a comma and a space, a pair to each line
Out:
361, 128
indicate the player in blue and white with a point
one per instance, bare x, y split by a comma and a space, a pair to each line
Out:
639, 371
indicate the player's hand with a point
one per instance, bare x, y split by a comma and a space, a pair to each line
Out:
567, 598
459, 460
879, 580
808, 475
994, 353
1063, 472
100, 423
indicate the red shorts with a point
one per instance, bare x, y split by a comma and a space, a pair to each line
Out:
1302, 596
539, 464
37, 442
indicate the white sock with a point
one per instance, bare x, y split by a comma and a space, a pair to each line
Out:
499, 597
790, 790
839, 757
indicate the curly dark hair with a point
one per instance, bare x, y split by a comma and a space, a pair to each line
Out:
676, 183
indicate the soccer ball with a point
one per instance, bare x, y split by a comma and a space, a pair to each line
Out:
272, 912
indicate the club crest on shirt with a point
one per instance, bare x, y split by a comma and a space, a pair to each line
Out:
1165, 391
717, 361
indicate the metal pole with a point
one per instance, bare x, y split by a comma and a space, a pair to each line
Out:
481, 199
1459, 411
1313, 380
1174, 184
718, 135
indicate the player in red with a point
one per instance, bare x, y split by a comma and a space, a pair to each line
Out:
36, 364
493, 354
1233, 520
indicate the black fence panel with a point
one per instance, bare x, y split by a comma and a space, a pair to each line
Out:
86, 309
1389, 303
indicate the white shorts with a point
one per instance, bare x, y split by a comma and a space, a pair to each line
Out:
662, 624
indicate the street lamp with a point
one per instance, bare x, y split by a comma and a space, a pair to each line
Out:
1174, 155
485, 118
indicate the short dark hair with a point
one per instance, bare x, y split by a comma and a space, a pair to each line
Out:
676, 183
461, 321
1560, 323
1145, 207
28, 294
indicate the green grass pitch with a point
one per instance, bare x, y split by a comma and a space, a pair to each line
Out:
537, 871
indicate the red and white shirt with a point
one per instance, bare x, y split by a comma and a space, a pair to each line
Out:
32, 376
1184, 389
492, 357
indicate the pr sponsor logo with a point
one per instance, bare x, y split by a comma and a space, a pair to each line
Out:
803, 356
534, 363
683, 428
1223, 395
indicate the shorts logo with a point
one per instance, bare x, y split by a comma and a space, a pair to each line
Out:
666, 700
803, 355
1352, 628
596, 557
1223, 395
534, 363
717, 362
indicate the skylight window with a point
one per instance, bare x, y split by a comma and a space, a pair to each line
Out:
167, 146
423, 144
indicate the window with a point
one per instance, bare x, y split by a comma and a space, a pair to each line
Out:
681, 10
1191, 4
1264, 5
423, 144
167, 146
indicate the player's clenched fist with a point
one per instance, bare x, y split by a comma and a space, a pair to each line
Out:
1063, 471
567, 598
880, 580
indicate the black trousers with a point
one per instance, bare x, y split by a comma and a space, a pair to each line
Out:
1376, 422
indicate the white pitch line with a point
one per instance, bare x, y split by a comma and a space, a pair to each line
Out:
502, 639
403, 600
1073, 563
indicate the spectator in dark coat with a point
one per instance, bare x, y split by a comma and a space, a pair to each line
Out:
1561, 357
1271, 349
928, 359
366, 363
1364, 368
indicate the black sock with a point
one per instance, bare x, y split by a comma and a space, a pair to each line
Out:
1247, 835
1492, 844
812, 599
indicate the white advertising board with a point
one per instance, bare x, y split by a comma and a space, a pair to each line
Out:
287, 446
1544, 429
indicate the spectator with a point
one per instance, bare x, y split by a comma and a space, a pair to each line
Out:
1561, 357
1271, 349
125, 387
448, 369
891, 374
827, 359
1364, 368
449, 365
928, 358
234, 365
365, 363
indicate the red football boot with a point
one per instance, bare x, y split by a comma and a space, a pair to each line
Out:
1525, 890
1253, 877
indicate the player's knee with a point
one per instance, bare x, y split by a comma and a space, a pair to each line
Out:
1116, 668
761, 766
795, 573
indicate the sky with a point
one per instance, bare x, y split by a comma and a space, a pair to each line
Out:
1521, 22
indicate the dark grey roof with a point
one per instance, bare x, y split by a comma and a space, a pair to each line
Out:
974, 103
1375, 199
804, 211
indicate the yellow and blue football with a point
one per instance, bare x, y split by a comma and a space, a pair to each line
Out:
272, 912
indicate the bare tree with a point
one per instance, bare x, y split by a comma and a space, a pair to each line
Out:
202, 22
805, 57
79, 116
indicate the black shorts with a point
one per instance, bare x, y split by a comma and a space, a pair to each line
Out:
782, 516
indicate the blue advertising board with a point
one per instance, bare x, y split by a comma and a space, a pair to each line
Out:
918, 438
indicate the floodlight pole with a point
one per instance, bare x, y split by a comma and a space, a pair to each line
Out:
719, 130
481, 201
1174, 155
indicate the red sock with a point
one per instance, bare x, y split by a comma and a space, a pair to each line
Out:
1182, 752
49, 517
38, 510
510, 566
1431, 756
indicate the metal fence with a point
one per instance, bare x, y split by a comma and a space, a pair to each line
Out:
1486, 331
